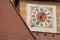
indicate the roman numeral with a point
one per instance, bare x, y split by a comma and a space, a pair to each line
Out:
45, 10
37, 23
33, 15
41, 9
41, 24
32, 25
34, 12
49, 17
37, 10
48, 13
45, 23
34, 20
48, 21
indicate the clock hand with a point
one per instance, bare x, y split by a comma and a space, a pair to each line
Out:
40, 17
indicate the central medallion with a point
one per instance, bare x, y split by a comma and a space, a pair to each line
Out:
41, 17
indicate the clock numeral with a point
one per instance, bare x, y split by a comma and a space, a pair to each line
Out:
33, 15
34, 19
34, 12
32, 25
45, 24
41, 24
48, 13
37, 23
45, 10
41, 9
48, 21
49, 17
37, 10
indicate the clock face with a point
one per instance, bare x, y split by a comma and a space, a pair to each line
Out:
42, 17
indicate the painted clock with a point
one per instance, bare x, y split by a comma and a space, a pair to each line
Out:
38, 22
41, 17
